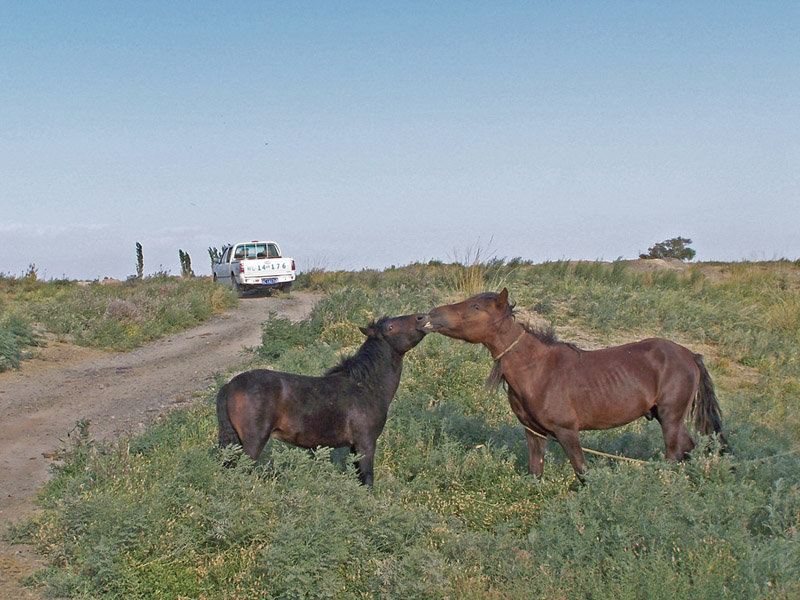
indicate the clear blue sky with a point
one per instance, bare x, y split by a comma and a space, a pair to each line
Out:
367, 134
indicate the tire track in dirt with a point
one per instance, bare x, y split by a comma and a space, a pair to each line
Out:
118, 393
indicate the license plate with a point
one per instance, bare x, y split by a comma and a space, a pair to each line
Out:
268, 281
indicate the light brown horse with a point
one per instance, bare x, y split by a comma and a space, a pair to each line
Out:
557, 389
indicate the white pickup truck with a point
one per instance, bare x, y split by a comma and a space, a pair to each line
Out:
254, 265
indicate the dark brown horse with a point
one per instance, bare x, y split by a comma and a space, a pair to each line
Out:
345, 407
556, 389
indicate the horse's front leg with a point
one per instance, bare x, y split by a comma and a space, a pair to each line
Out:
571, 442
366, 464
536, 449
536, 443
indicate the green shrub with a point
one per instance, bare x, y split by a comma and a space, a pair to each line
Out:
279, 334
16, 336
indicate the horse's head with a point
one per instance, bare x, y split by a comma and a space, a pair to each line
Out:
475, 320
401, 333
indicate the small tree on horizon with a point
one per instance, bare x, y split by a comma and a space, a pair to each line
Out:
214, 255
139, 261
677, 247
186, 264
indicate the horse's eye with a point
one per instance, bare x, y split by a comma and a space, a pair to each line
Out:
390, 327
476, 307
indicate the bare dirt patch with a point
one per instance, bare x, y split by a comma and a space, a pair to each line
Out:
118, 393
647, 265
713, 272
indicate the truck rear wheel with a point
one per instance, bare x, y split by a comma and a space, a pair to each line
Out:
237, 289
286, 287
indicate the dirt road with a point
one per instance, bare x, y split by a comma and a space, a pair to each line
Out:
119, 392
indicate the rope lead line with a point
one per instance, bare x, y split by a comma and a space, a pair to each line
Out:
646, 462
590, 451
514, 343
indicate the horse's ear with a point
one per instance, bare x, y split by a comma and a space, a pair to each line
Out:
502, 298
367, 331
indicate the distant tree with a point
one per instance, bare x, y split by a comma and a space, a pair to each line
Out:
186, 264
214, 255
673, 248
139, 261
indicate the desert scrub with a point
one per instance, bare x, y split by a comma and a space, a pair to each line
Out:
453, 512
134, 313
415, 277
753, 314
680, 526
157, 517
125, 315
170, 522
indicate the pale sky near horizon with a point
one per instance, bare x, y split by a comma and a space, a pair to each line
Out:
369, 134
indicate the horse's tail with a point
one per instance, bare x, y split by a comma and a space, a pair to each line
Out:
705, 407
227, 434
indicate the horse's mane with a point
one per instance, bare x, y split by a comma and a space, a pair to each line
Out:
361, 365
546, 335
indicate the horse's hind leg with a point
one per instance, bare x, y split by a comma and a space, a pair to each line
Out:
254, 444
254, 438
678, 442
685, 441
252, 416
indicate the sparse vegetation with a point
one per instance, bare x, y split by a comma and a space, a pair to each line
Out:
453, 513
119, 316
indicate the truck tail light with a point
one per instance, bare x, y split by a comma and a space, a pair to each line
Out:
241, 267
292, 264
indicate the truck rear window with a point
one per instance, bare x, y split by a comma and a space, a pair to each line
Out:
248, 251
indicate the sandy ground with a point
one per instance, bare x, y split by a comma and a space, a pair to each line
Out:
118, 393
